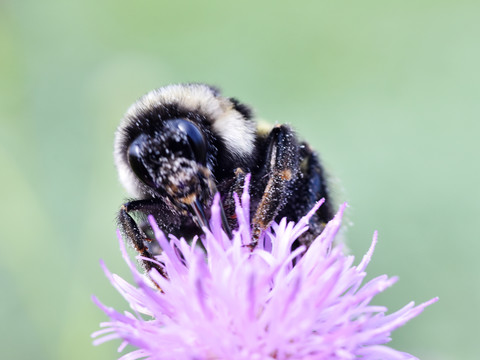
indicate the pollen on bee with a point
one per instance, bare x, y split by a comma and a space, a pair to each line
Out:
189, 199
286, 174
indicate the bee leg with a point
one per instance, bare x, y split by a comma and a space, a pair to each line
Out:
136, 237
239, 181
234, 186
281, 170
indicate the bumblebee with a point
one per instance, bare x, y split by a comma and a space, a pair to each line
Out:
179, 145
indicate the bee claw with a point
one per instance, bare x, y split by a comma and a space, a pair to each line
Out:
198, 211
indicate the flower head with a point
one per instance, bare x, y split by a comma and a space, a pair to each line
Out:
226, 301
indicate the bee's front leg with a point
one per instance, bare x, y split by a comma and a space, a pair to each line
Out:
135, 236
281, 168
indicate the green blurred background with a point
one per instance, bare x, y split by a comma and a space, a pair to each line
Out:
388, 92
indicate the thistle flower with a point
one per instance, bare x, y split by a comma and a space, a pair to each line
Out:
229, 302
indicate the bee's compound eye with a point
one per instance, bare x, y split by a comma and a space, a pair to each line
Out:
136, 162
195, 138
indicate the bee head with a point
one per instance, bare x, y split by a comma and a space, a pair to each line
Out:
172, 161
